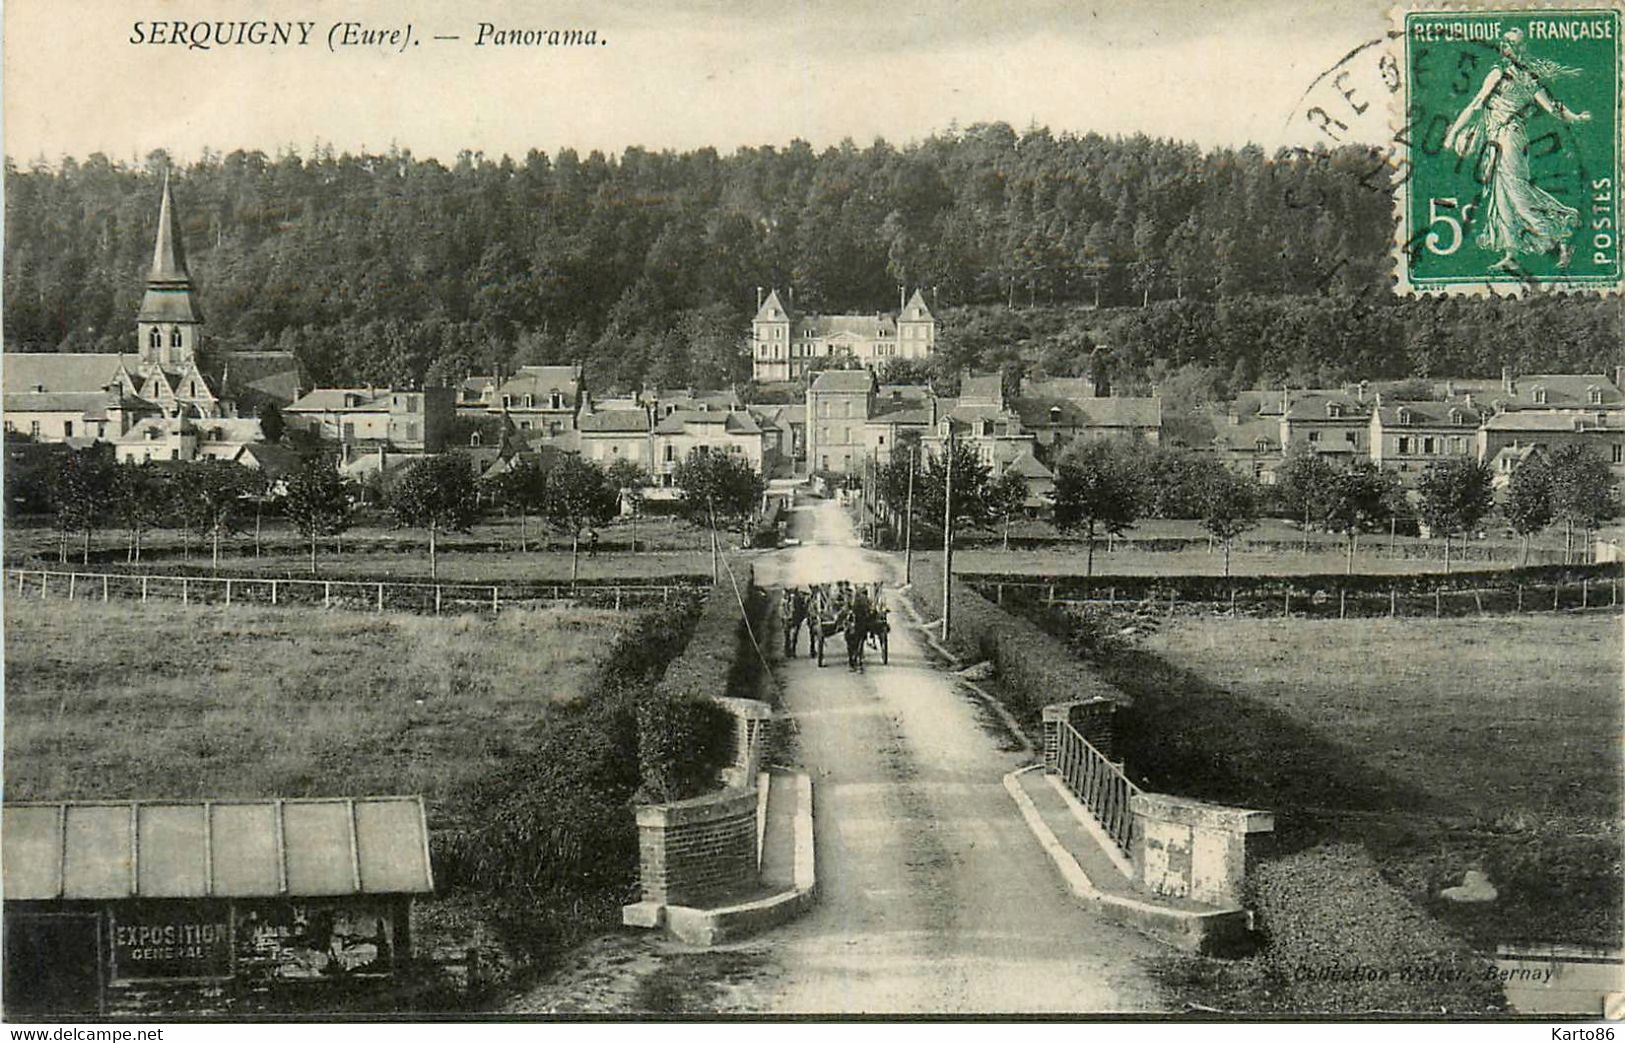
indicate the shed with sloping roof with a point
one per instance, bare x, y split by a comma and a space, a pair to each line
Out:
105, 900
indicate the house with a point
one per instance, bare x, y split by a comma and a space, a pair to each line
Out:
1040, 481
981, 419
839, 404
186, 439
406, 420
607, 435
1058, 412
1249, 445
787, 345
1333, 423
901, 414
475, 396
1407, 437
1602, 431
707, 430
66, 397
541, 399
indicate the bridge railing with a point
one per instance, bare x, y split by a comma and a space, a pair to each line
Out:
1098, 783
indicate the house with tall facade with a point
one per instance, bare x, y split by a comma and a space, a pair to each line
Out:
786, 344
404, 419
87, 397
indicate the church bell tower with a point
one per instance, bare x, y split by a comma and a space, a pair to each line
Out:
169, 322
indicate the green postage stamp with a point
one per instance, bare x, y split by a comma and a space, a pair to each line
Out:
1510, 126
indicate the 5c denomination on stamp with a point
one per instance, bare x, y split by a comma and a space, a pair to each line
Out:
1509, 123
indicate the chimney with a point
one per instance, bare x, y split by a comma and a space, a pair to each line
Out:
1507, 383
1449, 389
1619, 377
1360, 392
1284, 402
1468, 398
758, 298
902, 299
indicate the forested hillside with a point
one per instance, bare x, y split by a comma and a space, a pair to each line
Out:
644, 266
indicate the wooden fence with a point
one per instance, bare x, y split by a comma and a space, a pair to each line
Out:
376, 596
1098, 783
1339, 603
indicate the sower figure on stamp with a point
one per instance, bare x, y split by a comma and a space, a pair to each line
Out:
1517, 217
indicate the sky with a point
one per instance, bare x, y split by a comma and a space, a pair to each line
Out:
680, 74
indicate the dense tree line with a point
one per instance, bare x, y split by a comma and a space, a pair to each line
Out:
1036, 248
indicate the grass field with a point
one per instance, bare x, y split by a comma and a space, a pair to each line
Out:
1321, 560
1442, 746
121, 701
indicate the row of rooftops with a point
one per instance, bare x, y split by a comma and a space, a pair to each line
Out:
1062, 402
1588, 391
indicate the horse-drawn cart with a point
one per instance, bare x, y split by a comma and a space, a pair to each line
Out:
855, 611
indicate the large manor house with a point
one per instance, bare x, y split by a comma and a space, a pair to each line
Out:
787, 345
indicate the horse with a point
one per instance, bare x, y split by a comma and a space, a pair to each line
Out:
879, 628
792, 614
858, 621
826, 615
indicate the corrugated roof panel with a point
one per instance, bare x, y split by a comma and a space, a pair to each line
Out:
390, 845
244, 849
31, 852
171, 859
317, 847
96, 859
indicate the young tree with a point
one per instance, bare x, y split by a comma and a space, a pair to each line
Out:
1455, 497
1583, 492
1096, 490
317, 499
1230, 508
970, 485
1006, 497
522, 488
579, 495
137, 502
630, 479
436, 494
1302, 484
1528, 501
216, 489
717, 488
1358, 500
79, 487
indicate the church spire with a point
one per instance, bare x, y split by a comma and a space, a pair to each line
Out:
170, 297
168, 253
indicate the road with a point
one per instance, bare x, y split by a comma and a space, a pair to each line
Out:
933, 895
934, 898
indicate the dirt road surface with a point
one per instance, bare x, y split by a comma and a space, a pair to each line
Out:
933, 895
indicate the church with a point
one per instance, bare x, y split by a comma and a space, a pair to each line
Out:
787, 345
82, 398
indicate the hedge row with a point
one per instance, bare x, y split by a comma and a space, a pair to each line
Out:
1219, 588
1034, 669
553, 849
684, 737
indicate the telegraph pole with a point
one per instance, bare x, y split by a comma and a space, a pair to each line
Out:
908, 521
948, 538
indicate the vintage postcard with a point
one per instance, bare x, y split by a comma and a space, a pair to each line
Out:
677, 509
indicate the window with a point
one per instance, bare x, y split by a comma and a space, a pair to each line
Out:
1458, 445
413, 433
1334, 410
881, 440
474, 440
67, 429
1404, 416
507, 400
154, 338
1455, 416
1427, 446
557, 401
174, 454
1540, 395
1619, 453
175, 337
1314, 436
1404, 444
524, 425
671, 453
1594, 395
530, 401
1351, 437
412, 404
